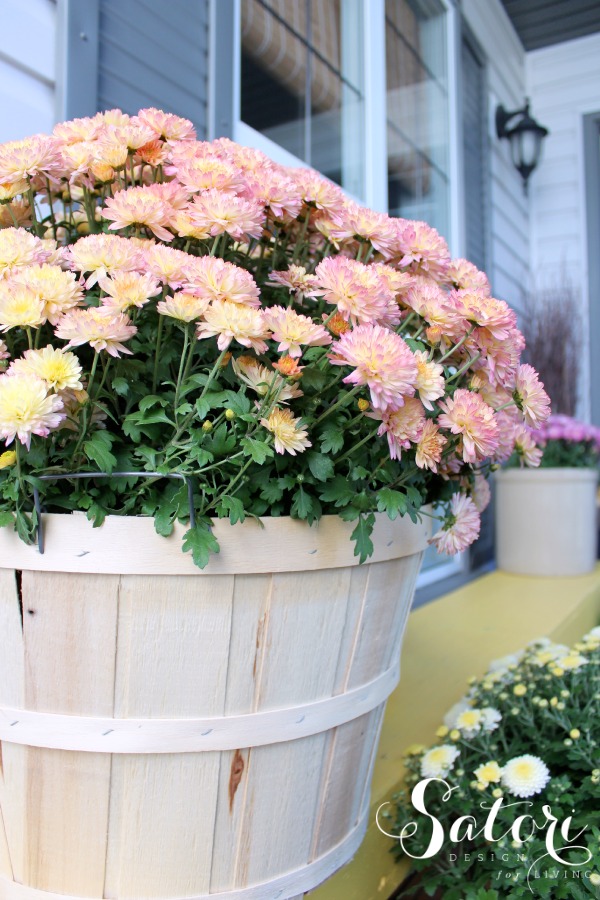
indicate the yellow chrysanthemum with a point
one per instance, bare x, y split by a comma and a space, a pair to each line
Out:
59, 291
287, 431
20, 307
26, 408
8, 458
489, 773
58, 368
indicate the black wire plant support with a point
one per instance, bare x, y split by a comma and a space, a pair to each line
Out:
77, 475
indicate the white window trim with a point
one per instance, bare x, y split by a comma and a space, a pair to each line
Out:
375, 130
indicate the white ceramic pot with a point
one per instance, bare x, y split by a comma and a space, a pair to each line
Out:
546, 521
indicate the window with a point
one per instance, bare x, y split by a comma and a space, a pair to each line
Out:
302, 82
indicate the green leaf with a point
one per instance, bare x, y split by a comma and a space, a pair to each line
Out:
313, 378
6, 518
163, 521
338, 491
238, 402
120, 386
98, 450
363, 545
272, 492
211, 400
201, 542
150, 401
233, 507
96, 514
321, 466
392, 502
414, 496
302, 504
258, 450
332, 438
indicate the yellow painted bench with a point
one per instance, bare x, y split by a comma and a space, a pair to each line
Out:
447, 641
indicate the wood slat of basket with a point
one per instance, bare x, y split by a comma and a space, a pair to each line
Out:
69, 628
162, 808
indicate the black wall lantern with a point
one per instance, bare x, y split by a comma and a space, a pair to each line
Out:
525, 136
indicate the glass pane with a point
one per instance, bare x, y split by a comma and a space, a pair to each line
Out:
312, 49
417, 111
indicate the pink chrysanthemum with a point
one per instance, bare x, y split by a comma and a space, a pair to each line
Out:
295, 279
216, 279
60, 369
264, 380
317, 190
383, 362
486, 312
403, 426
526, 448
430, 446
38, 154
232, 321
464, 276
183, 306
165, 263
19, 248
201, 173
26, 408
277, 192
421, 249
460, 528
354, 221
58, 290
127, 289
100, 328
468, 415
139, 207
213, 213
20, 306
167, 126
530, 396
360, 295
430, 379
292, 330
428, 300
103, 254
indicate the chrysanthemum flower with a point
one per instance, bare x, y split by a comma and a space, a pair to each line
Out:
103, 254
469, 722
383, 362
58, 368
216, 279
140, 207
428, 300
154, 153
173, 194
263, 380
19, 248
524, 776
524, 444
77, 130
488, 773
460, 528
439, 761
421, 249
530, 396
213, 213
20, 306
430, 379
202, 173
11, 189
495, 316
165, 263
232, 321
430, 446
481, 493
403, 426
289, 435
468, 415
26, 408
292, 330
24, 159
166, 125
288, 367
354, 221
127, 289
295, 279
464, 276
336, 324
317, 190
277, 192
7, 459
100, 328
491, 718
183, 306
59, 290
360, 295
571, 661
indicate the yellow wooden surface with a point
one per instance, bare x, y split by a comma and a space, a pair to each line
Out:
446, 642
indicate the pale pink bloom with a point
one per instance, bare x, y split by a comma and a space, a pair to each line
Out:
38, 154
360, 295
127, 289
103, 254
166, 263
139, 207
529, 453
383, 362
428, 300
135, 134
100, 328
19, 248
421, 249
430, 379
292, 330
10, 190
4, 354
154, 153
18, 211
60, 369
403, 426
531, 397
20, 306
201, 173
486, 312
468, 415
58, 290
480, 492
500, 358
183, 306
233, 321
273, 189
509, 424
295, 279
167, 126
464, 276
213, 213
430, 446
289, 435
264, 380
461, 526
216, 279
316, 190
26, 408
113, 117
171, 192
77, 130
354, 221
397, 282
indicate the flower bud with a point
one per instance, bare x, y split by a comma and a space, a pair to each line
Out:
207, 426
229, 415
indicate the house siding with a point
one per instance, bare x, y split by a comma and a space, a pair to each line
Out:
27, 68
508, 230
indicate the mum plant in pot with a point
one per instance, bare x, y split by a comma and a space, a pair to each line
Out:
546, 516
200, 345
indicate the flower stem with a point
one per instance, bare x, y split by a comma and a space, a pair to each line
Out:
161, 325
342, 400
368, 437
457, 346
212, 373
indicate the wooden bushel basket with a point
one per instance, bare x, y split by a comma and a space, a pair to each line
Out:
171, 733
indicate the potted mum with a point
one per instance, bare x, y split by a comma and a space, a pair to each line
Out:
205, 350
523, 742
546, 516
